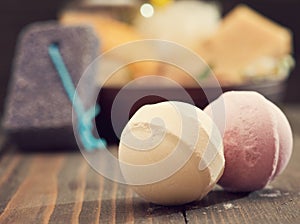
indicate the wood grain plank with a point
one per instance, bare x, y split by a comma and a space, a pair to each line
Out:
111, 200
11, 184
69, 199
24, 204
80, 185
145, 212
268, 205
7, 166
129, 207
90, 212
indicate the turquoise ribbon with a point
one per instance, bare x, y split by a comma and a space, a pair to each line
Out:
85, 117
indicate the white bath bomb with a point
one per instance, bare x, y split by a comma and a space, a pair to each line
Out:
171, 153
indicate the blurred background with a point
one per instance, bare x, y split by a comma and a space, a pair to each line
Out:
15, 14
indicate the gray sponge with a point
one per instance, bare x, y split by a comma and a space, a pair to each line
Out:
38, 113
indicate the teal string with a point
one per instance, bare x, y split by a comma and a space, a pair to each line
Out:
84, 117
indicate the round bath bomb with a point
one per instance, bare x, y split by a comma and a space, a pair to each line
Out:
171, 153
257, 141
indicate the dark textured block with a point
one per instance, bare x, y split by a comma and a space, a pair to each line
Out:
38, 112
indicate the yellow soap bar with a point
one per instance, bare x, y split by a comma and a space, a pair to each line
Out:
112, 33
243, 37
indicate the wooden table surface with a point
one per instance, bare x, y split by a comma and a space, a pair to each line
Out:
60, 187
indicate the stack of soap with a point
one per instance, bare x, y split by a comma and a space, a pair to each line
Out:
245, 38
38, 112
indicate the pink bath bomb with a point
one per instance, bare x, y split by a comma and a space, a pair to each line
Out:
257, 140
